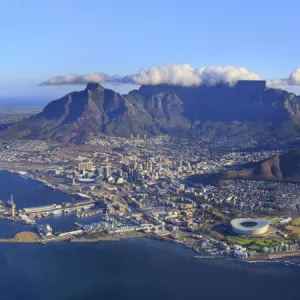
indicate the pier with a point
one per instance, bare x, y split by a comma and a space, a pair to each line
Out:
78, 225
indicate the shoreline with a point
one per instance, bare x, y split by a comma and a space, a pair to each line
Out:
38, 180
33, 238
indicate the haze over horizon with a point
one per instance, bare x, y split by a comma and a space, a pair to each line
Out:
144, 43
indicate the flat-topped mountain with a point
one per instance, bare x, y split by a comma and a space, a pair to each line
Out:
249, 107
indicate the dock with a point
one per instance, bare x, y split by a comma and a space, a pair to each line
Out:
78, 225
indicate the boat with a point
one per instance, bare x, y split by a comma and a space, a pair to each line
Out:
57, 212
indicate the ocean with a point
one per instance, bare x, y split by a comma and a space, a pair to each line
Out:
129, 269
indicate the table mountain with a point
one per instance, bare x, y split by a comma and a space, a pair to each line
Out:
249, 107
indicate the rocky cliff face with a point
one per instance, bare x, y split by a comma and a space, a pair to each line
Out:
247, 108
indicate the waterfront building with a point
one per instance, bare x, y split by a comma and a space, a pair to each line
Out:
240, 254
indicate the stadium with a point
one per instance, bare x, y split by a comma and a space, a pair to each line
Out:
251, 227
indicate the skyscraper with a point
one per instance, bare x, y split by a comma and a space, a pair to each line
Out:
106, 172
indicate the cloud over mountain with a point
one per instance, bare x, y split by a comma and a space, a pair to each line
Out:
293, 79
185, 75
177, 74
77, 79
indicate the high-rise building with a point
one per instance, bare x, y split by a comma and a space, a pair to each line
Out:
136, 176
178, 163
96, 172
145, 166
106, 172
125, 168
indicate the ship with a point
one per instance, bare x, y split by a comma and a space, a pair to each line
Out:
44, 230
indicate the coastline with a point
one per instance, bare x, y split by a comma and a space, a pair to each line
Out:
33, 238
25, 175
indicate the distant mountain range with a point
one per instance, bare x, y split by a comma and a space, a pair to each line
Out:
249, 107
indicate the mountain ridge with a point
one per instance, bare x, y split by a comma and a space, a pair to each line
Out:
248, 107
284, 167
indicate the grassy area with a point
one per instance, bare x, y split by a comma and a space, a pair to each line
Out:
196, 248
243, 241
275, 220
268, 218
218, 214
272, 219
294, 229
296, 222
255, 243
180, 238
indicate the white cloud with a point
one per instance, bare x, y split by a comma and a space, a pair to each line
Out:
293, 79
178, 74
78, 79
230, 75
188, 76
168, 74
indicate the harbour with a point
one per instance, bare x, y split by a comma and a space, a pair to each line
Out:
143, 260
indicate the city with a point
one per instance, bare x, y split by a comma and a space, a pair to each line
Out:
142, 187
149, 150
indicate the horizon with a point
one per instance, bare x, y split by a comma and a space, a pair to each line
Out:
153, 42
122, 89
137, 137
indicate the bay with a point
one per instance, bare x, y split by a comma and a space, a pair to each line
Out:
129, 269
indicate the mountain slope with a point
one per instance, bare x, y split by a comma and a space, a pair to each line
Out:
247, 108
285, 167
95, 110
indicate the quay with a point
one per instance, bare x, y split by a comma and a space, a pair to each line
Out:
78, 225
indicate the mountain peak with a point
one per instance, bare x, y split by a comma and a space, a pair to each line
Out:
94, 86
247, 108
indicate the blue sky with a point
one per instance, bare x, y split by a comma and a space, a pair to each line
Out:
41, 39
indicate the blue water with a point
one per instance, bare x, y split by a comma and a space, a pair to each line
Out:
135, 269
130, 269
28, 192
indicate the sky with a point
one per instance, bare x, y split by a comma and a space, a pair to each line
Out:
43, 39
